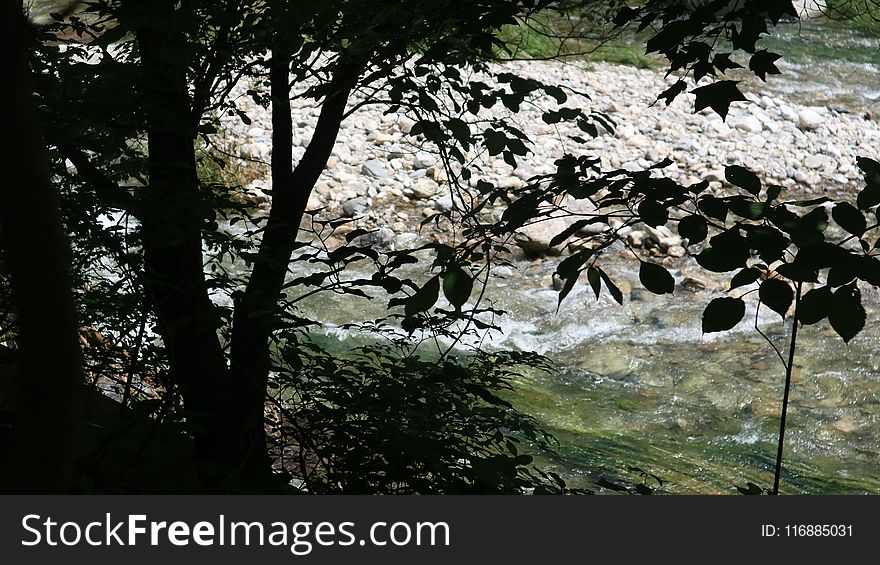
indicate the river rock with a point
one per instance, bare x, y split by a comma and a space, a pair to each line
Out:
810, 119
375, 169
355, 207
425, 188
749, 124
638, 140
423, 160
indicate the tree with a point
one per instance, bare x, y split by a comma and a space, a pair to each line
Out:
180, 61
47, 386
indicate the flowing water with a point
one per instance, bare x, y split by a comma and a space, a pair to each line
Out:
826, 65
639, 386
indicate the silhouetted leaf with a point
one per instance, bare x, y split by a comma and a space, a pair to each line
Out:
612, 288
693, 228
653, 213
656, 279
672, 92
718, 96
457, 286
424, 298
595, 280
847, 316
744, 277
763, 62
743, 178
776, 295
849, 218
720, 261
722, 314
713, 207
815, 305
798, 272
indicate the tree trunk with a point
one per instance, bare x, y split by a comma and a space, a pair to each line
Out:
227, 444
37, 251
255, 315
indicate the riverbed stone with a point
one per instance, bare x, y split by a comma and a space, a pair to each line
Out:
374, 168
809, 119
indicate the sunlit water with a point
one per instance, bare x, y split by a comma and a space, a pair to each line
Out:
638, 385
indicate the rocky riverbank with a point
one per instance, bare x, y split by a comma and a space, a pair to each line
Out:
390, 181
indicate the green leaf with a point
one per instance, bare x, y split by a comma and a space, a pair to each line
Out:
743, 178
656, 279
745, 277
457, 286
815, 305
424, 298
723, 314
776, 295
849, 218
693, 228
847, 316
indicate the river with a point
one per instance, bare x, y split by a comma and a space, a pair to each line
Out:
638, 386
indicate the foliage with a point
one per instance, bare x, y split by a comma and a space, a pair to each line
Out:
861, 14
384, 420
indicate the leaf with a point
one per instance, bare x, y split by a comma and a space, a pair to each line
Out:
745, 277
693, 228
868, 197
798, 272
871, 168
457, 286
763, 62
612, 288
424, 298
847, 316
718, 96
723, 314
494, 141
595, 280
713, 207
719, 261
743, 178
653, 213
656, 279
849, 218
776, 295
672, 92
815, 305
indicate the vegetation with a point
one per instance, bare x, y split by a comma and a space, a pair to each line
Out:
193, 328
861, 14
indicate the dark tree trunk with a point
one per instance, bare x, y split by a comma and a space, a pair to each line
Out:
37, 254
228, 446
255, 315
